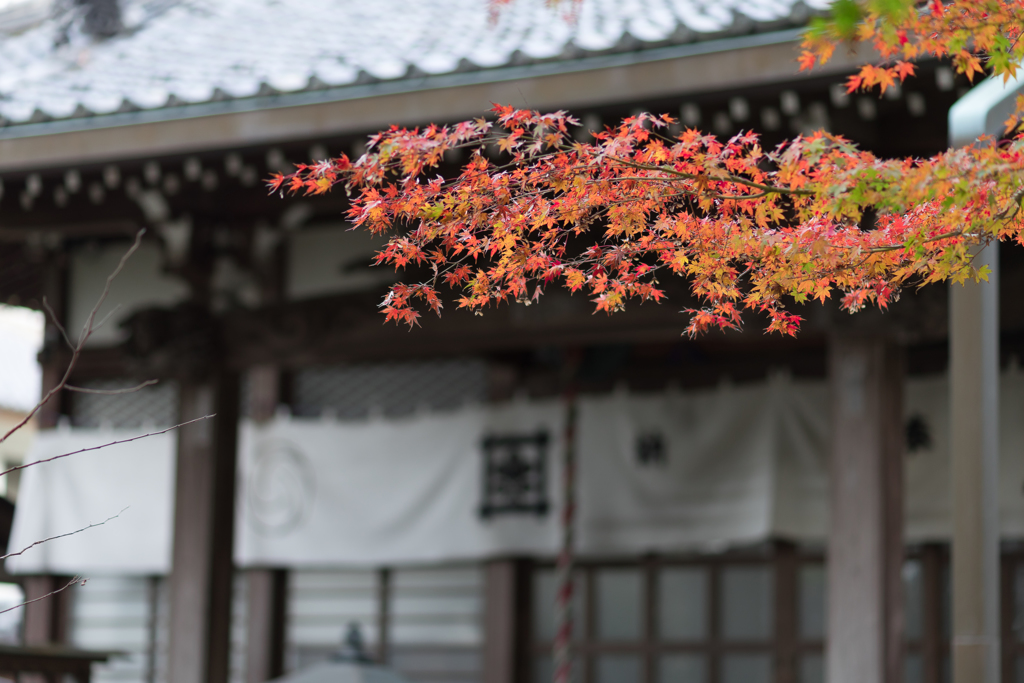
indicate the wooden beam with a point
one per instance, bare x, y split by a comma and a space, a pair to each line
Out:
349, 328
204, 505
865, 543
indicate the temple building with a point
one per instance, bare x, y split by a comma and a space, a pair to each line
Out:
751, 509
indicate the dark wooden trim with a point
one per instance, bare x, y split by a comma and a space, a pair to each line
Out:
787, 568
507, 621
931, 591
893, 448
589, 594
651, 568
49, 663
384, 615
715, 640
640, 647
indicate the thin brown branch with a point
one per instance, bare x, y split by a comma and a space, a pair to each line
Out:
109, 443
87, 330
103, 321
53, 538
936, 238
112, 392
69, 584
57, 323
726, 179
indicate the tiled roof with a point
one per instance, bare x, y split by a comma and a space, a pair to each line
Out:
177, 52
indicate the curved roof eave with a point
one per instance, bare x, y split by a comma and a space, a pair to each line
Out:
714, 65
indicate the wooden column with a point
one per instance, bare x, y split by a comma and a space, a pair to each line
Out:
267, 587
974, 449
47, 620
267, 607
865, 546
204, 506
384, 616
931, 617
787, 605
507, 621
55, 355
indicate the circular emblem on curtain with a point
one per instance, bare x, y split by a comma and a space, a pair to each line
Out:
280, 487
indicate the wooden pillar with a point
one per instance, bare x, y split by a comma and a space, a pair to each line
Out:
787, 601
204, 507
507, 621
931, 617
384, 616
47, 620
974, 449
267, 587
55, 355
267, 608
865, 545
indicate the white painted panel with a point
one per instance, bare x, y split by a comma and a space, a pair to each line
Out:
334, 260
113, 613
437, 606
321, 604
142, 284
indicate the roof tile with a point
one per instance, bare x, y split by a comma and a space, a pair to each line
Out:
183, 51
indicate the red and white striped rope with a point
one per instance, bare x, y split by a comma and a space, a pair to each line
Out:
562, 654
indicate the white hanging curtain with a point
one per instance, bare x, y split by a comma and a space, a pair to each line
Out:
668, 472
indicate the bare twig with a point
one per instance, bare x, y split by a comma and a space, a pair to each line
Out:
70, 533
104, 319
69, 584
105, 445
112, 392
57, 323
87, 329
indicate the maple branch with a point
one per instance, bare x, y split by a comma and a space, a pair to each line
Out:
727, 179
903, 245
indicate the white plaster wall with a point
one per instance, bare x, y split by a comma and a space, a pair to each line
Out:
334, 260
142, 284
